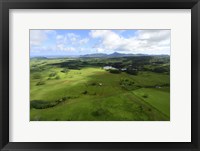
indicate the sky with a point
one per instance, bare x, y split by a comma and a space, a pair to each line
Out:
80, 42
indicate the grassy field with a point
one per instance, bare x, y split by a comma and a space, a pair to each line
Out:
156, 98
68, 89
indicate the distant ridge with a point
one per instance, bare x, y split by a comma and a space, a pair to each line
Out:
113, 55
95, 55
98, 55
39, 57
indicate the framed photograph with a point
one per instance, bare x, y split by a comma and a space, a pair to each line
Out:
99, 75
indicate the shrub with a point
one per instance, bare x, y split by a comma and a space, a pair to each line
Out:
140, 108
128, 84
40, 83
98, 112
115, 71
145, 96
74, 67
64, 98
39, 104
57, 77
161, 69
52, 74
85, 92
132, 71
93, 83
64, 71
37, 76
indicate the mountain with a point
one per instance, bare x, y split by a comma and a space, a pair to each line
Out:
113, 55
95, 55
116, 54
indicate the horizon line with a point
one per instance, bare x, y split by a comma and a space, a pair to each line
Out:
93, 53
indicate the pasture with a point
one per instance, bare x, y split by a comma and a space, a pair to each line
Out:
80, 89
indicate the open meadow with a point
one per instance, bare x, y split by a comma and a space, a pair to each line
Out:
89, 88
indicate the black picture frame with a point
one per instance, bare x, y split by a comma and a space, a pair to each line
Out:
5, 5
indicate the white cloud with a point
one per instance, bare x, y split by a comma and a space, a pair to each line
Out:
61, 47
109, 39
73, 38
37, 37
100, 50
83, 41
61, 40
70, 42
145, 41
154, 35
102, 41
59, 37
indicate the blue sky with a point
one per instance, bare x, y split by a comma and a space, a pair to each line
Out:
80, 42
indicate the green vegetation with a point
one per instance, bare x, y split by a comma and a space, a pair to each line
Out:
40, 83
114, 71
80, 89
156, 98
